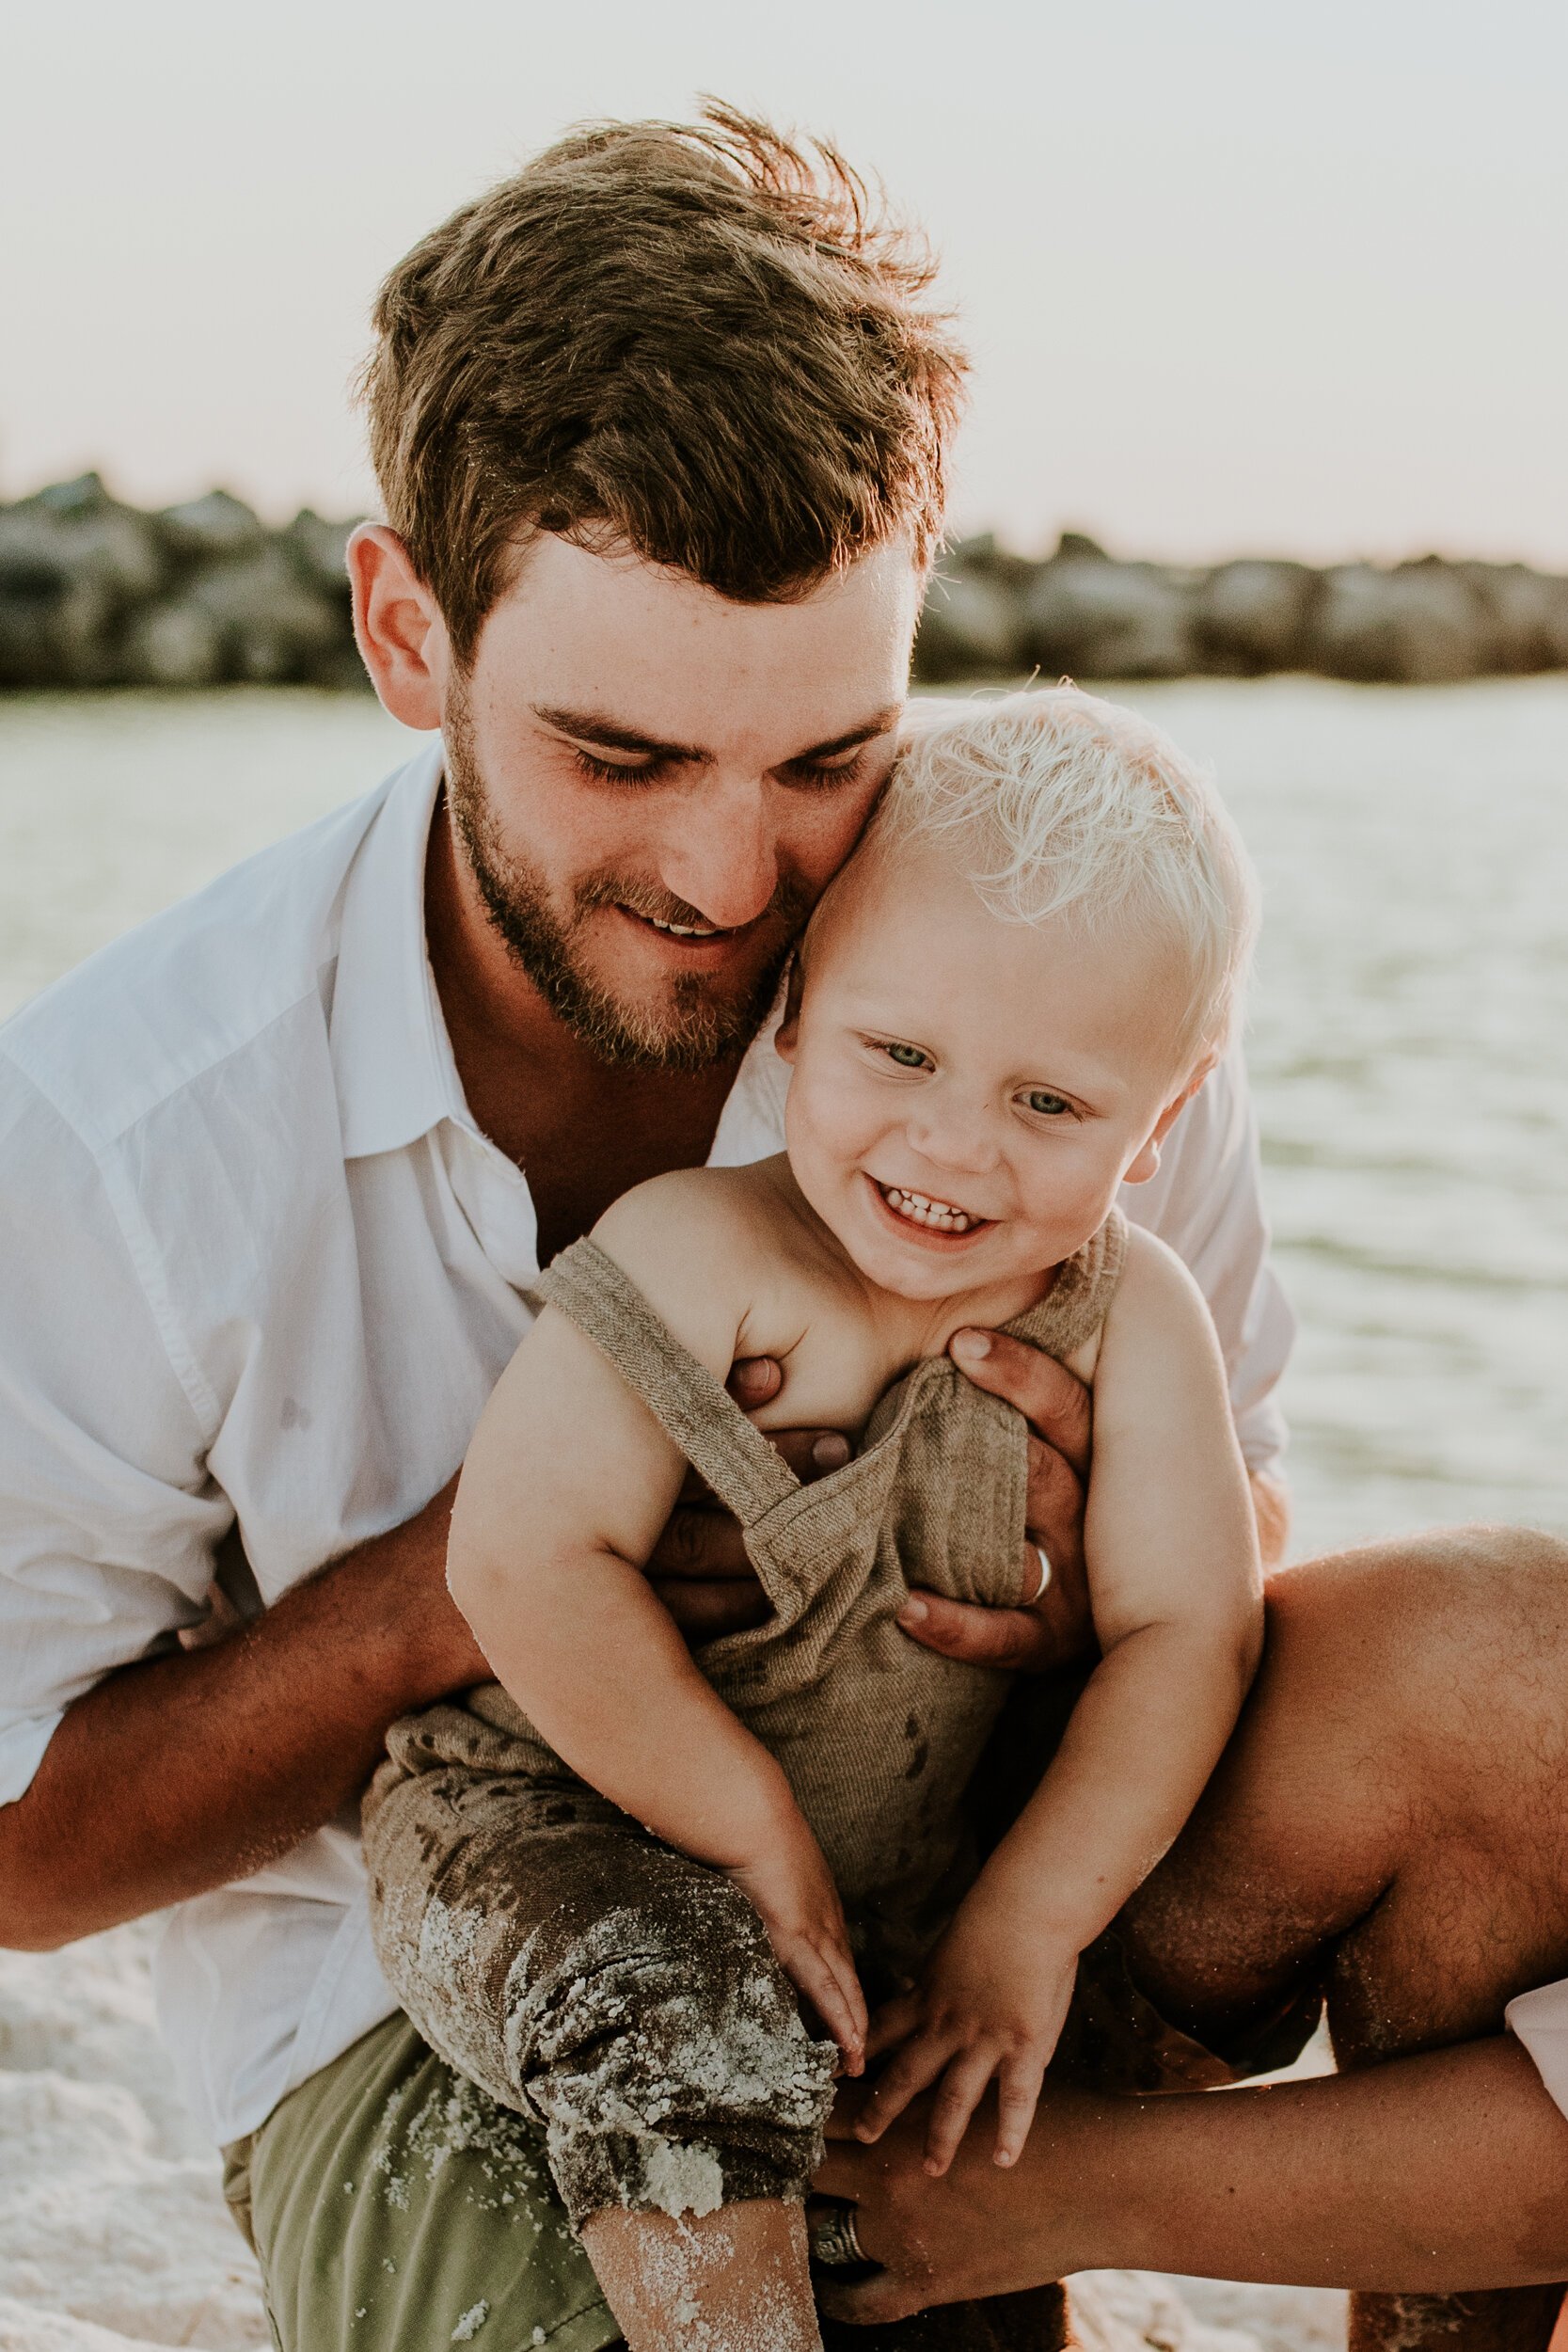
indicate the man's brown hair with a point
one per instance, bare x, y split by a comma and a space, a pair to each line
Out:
701, 342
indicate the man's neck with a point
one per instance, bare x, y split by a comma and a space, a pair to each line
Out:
583, 1132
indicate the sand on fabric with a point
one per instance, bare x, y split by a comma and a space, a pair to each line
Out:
114, 2236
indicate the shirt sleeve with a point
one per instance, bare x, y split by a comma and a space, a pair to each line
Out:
1540, 2021
1206, 1202
108, 1521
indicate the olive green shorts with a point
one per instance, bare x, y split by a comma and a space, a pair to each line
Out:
393, 2207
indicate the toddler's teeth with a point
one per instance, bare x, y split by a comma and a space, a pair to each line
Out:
917, 1208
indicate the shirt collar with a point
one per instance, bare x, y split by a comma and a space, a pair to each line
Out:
393, 1063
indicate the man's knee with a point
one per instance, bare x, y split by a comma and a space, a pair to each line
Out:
1444, 1657
1413, 1697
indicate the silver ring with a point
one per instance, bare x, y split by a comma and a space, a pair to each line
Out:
835, 2242
1039, 1592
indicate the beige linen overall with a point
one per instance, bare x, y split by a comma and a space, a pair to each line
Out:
623, 1996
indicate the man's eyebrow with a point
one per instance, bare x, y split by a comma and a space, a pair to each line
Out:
878, 724
588, 726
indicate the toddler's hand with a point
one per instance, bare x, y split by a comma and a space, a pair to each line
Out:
991, 2004
792, 1890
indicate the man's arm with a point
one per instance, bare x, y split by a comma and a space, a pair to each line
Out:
1429, 2175
177, 1774
220, 1759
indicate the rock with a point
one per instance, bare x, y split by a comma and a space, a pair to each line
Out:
273, 629
1527, 613
985, 557
1079, 543
318, 549
1085, 617
216, 528
84, 494
93, 593
73, 564
1419, 625
173, 644
1251, 616
971, 628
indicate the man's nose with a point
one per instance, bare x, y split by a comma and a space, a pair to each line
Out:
723, 856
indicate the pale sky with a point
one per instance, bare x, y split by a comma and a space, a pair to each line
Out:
1237, 276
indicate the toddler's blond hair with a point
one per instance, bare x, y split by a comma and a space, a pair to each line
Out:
1054, 803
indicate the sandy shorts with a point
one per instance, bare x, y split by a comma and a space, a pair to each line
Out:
395, 2207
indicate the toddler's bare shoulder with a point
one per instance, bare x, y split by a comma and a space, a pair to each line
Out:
689, 1209
1156, 1288
693, 1241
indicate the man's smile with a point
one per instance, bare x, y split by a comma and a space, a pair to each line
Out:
705, 940
685, 930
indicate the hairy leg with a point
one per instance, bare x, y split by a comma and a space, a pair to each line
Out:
734, 2281
1390, 1818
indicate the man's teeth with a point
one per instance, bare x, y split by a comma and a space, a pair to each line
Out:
940, 1215
684, 930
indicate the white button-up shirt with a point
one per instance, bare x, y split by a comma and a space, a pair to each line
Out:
259, 1272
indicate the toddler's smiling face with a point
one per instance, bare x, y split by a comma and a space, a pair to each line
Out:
969, 1092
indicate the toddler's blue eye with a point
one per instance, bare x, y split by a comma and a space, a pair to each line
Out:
1051, 1105
906, 1057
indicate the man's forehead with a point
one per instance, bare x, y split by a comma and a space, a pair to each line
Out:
661, 657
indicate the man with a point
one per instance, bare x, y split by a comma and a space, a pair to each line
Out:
661, 426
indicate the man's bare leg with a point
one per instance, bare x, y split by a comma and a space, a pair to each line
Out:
735, 2281
1390, 1815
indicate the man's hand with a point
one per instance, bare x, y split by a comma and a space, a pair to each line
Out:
1439, 2174
1056, 1629
699, 1567
978, 2231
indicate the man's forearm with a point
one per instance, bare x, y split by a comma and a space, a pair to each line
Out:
1439, 2174
176, 1776
1429, 2175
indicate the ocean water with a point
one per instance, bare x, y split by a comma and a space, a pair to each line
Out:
1407, 1036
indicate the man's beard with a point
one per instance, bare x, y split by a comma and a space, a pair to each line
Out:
693, 1028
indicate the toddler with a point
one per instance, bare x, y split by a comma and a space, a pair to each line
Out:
643, 1894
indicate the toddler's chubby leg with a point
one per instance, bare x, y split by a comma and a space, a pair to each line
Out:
629, 2000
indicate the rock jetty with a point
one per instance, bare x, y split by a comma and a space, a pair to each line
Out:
96, 592
1083, 613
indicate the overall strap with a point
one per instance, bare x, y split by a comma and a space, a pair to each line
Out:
683, 1396
1080, 1298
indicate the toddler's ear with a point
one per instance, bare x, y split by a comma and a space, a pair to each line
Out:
1147, 1164
787, 1036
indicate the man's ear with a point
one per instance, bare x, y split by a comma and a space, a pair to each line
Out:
1147, 1164
787, 1035
398, 628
